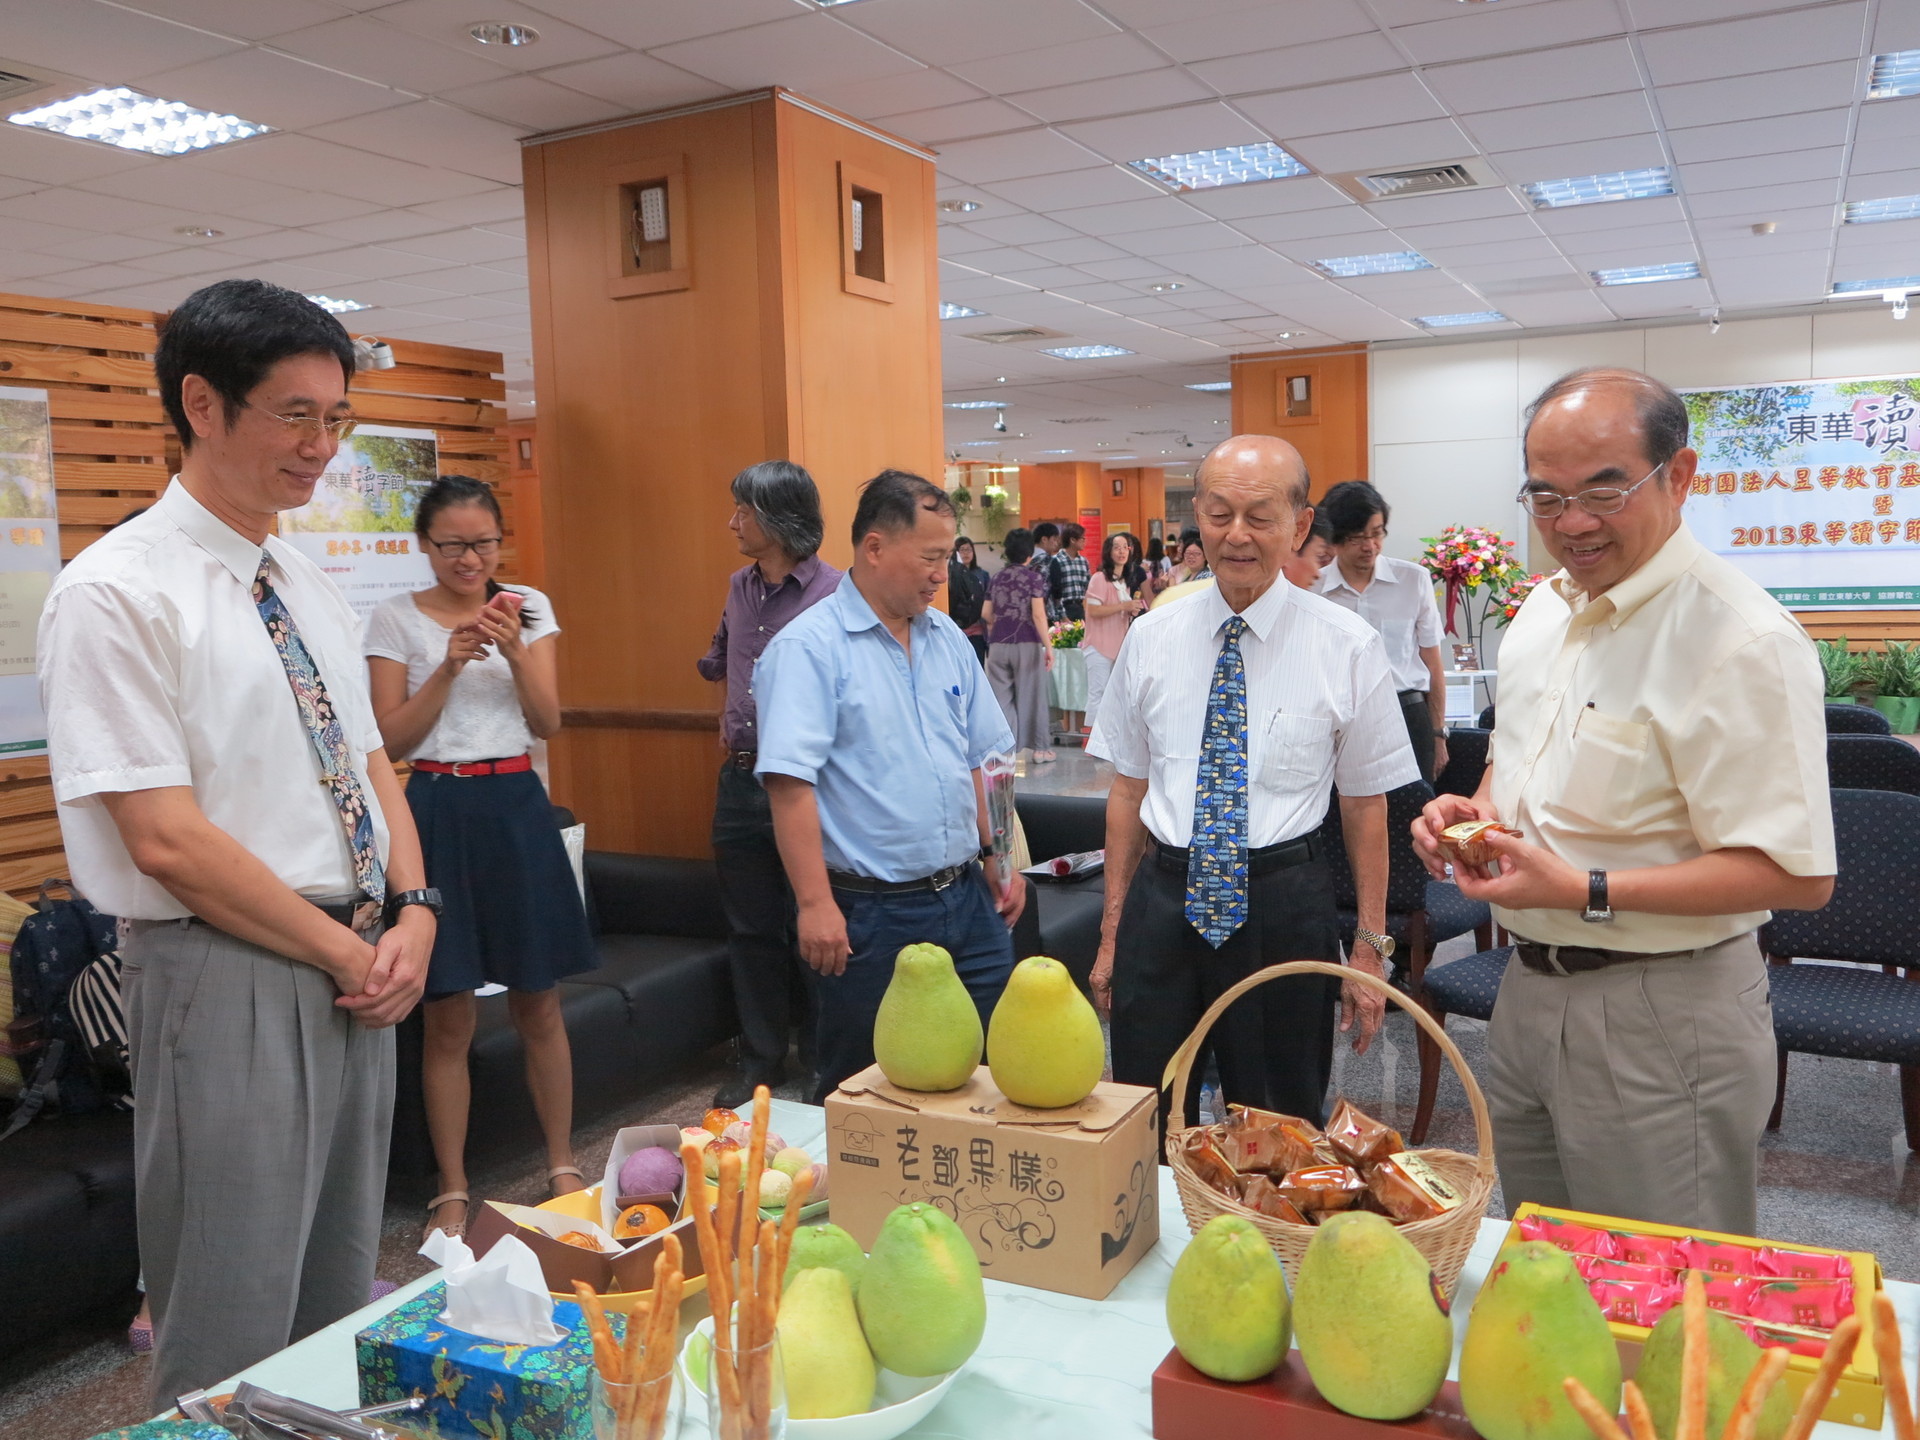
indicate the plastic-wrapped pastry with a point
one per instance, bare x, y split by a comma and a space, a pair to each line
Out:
1321, 1189
1257, 1140
1210, 1165
1467, 842
1408, 1188
1360, 1139
1265, 1196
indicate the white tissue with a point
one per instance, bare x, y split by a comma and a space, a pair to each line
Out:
502, 1296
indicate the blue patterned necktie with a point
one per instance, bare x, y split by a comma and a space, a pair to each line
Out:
329, 740
1217, 854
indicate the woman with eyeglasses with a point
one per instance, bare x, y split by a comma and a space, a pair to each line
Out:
464, 680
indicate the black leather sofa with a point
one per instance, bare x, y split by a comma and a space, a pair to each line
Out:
1063, 919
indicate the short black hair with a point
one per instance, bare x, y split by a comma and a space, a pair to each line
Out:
230, 333
786, 502
1069, 533
1657, 405
1319, 530
1017, 546
1045, 530
1349, 508
1189, 536
449, 491
892, 501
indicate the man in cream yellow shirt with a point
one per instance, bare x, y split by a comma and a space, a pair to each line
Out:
1662, 749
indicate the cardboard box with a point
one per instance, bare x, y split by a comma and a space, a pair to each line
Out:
1284, 1406
1858, 1399
1063, 1200
619, 1273
479, 1389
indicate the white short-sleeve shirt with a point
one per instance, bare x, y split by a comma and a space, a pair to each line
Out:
1399, 603
1321, 709
156, 670
482, 719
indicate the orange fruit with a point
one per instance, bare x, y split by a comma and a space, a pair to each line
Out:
638, 1221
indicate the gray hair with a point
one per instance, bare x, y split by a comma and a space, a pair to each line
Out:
1657, 405
785, 501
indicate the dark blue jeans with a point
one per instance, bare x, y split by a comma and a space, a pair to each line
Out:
769, 986
960, 918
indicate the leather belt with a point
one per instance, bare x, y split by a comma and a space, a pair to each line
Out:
1579, 959
1262, 861
1407, 697
867, 885
356, 915
512, 765
741, 759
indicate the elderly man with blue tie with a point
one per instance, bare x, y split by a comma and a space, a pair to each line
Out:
1231, 714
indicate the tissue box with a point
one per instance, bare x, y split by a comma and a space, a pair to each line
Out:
169, 1430
479, 1389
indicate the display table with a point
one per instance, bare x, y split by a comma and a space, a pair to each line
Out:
1050, 1365
1067, 680
1463, 708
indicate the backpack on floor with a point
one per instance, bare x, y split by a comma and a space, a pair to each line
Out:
65, 967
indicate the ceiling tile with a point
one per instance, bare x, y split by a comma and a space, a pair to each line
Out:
534, 103
1583, 308
188, 183
1269, 197
1110, 221
1711, 102
85, 211
1755, 45
365, 46
1567, 72
1130, 267
448, 22
57, 160
1243, 31
1880, 183
889, 95
938, 32
248, 19
1165, 132
643, 26
959, 122
1898, 27
1759, 202
377, 226
273, 90
1596, 117
1181, 240
502, 209
1761, 170
805, 53
1014, 157
1390, 145
1345, 106
1151, 90
1741, 138
1469, 35
106, 43
432, 134
1441, 209
18, 265
1612, 215
468, 246
1886, 132
1469, 232
1107, 185
1649, 14
1370, 53
370, 262
1309, 224
304, 207
1023, 230
341, 170
633, 82
1589, 157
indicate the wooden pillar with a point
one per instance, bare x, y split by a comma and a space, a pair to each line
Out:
699, 305
1315, 400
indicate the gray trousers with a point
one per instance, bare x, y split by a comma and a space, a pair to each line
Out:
1018, 674
261, 1115
1640, 1090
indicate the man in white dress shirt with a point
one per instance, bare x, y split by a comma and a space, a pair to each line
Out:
1230, 715
222, 786
1396, 598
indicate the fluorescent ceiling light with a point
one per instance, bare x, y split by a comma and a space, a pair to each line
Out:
1646, 274
502, 32
132, 121
1893, 207
1875, 287
1087, 352
1590, 189
1464, 317
1388, 262
983, 442
976, 405
951, 311
1895, 73
1213, 385
1053, 452
337, 307
1231, 165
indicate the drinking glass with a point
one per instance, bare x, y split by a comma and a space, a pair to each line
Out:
757, 1408
635, 1412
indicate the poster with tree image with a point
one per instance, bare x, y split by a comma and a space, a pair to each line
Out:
359, 525
29, 559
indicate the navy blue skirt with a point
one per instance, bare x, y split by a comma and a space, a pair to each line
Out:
513, 913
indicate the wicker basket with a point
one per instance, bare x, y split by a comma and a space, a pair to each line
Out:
1444, 1240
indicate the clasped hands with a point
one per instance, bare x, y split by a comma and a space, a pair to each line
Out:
380, 983
1522, 876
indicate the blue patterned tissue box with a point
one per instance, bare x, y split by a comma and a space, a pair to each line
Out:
479, 1389
169, 1430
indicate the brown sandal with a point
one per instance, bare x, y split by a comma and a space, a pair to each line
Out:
557, 1171
458, 1230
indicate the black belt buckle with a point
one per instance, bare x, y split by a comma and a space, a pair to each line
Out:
742, 759
1575, 959
1263, 861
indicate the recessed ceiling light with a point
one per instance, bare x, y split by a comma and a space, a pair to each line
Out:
199, 232
1087, 352
983, 442
958, 207
1647, 274
131, 121
504, 32
1875, 287
951, 311
1895, 73
1166, 287
1232, 165
337, 307
1388, 262
1053, 452
1212, 385
1464, 317
1591, 189
1893, 207
976, 405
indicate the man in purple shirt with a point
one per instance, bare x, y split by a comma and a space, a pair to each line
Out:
776, 522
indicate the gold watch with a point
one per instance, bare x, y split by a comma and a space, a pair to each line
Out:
1384, 945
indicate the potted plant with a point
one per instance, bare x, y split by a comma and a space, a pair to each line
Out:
962, 500
1843, 670
1899, 697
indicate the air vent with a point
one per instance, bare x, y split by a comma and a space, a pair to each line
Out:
1367, 185
1157, 432
12, 85
1084, 420
1005, 337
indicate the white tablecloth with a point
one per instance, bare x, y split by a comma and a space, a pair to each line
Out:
1051, 1367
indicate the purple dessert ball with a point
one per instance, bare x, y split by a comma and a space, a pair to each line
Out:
652, 1171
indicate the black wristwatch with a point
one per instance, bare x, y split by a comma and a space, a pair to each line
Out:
428, 898
1598, 911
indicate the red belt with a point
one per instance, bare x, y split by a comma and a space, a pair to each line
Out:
463, 768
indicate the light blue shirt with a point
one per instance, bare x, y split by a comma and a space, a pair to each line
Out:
889, 746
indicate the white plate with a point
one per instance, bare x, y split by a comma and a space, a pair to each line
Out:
900, 1401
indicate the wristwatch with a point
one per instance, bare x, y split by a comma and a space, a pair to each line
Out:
428, 898
1383, 945
1599, 911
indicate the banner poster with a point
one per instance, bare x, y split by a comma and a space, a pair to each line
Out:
29, 559
1813, 488
359, 525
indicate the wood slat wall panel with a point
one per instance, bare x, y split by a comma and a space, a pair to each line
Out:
86, 334
445, 357
399, 410
33, 367
107, 405
111, 440
421, 380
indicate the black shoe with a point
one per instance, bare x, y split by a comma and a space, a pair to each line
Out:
738, 1091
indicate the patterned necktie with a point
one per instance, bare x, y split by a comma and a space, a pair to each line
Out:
329, 740
1217, 856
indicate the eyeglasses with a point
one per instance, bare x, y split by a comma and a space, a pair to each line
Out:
1606, 500
311, 427
1375, 536
454, 549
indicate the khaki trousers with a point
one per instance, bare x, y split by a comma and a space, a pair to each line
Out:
260, 1123
1639, 1091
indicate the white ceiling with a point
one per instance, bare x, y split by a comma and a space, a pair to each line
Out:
394, 178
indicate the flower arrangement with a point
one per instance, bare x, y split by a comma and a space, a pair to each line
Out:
1508, 599
1465, 558
993, 497
1066, 634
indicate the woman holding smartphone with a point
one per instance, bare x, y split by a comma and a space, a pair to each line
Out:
464, 680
